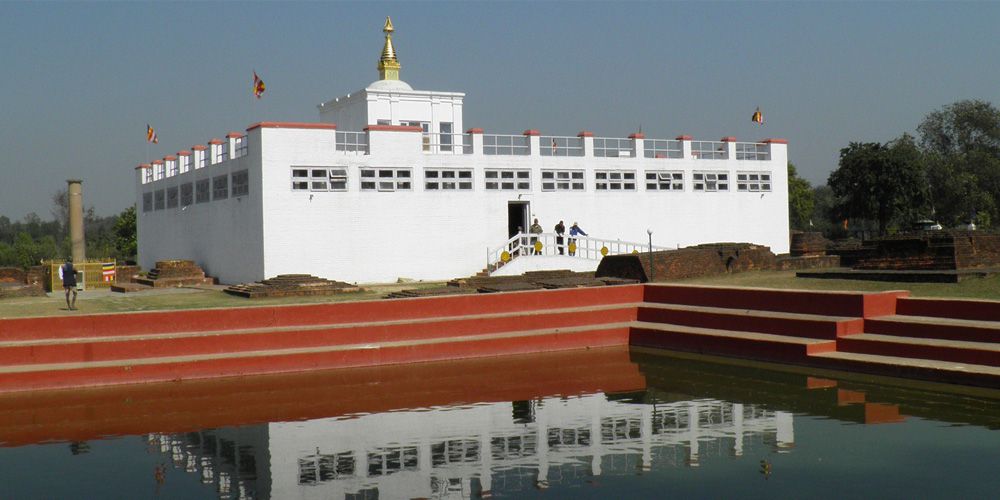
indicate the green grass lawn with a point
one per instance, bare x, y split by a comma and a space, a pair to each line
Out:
190, 298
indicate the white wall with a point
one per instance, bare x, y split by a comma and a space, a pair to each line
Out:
224, 237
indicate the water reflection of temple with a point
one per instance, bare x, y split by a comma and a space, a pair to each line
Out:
465, 451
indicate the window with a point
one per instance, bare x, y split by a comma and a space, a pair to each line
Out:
201, 191
508, 179
752, 151
614, 180
708, 150
425, 127
200, 159
220, 187
158, 199
319, 179
448, 179
710, 181
386, 179
147, 175
147, 202
241, 183
562, 180
187, 194
221, 153
241, 146
664, 181
446, 137
172, 197
185, 164
159, 170
753, 181
171, 168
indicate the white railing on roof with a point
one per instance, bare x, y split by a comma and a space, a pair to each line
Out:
582, 247
757, 151
560, 146
517, 145
352, 142
660, 148
708, 150
612, 147
447, 144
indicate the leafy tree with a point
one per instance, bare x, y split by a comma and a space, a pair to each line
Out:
881, 182
125, 234
962, 146
800, 200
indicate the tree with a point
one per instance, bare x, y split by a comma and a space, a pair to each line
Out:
800, 200
961, 142
125, 234
881, 182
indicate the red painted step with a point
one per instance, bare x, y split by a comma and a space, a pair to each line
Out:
978, 353
981, 310
181, 344
761, 346
777, 323
65, 375
936, 328
200, 320
853, 304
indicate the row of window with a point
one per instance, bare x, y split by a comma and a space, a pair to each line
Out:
502, 179
219, 187
196, 161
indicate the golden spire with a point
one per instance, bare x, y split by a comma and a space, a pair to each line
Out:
388, 66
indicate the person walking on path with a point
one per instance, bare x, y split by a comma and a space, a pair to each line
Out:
535, 228
560, 231
68, 275
574, 230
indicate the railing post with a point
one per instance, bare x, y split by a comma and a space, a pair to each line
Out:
685, 145
534, 148
587, 142
477, 141
730, 147
638, 144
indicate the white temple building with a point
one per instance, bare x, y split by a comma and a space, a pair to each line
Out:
389, 183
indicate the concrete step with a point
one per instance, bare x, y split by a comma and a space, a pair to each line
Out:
905, 367
778, 323
741, 344
980, 310
223, 364
955, 351
850, 304
935, 327
118, 347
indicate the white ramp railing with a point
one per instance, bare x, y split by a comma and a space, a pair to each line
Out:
524, 245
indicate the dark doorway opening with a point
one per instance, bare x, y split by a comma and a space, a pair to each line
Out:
517, 217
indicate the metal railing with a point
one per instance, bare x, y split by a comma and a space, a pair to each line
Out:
448, 144
708, 150
755, 151
583, 247
612, 147
516, 145
660, 148
352, 142
560, 146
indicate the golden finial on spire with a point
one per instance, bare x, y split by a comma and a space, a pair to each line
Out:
388, 65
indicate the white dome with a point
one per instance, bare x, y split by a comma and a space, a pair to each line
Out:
389, 85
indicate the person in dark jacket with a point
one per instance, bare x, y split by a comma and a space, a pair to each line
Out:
68, 274
560, 231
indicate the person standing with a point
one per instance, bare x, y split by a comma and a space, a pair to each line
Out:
560, 231
68, 275
535, 228
574, 230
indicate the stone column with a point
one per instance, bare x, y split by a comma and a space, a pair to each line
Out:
75, 193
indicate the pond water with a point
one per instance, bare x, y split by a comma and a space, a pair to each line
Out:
605, 423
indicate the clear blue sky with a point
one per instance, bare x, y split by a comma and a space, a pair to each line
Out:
81, 80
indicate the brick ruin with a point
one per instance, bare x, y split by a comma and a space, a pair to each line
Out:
291, 285
931, 251
16, 282
690, 262
173, 273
